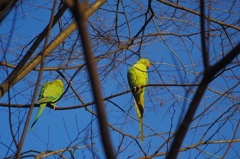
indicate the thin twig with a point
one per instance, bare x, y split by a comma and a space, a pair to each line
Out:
203, 37
230, 144
78, 12
20, 145
10, 80
208, 76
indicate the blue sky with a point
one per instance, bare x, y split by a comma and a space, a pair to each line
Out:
174, 60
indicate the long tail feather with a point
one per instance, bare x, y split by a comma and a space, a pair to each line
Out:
40, 110
141, 130
139, 102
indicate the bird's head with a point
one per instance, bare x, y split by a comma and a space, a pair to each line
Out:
59, 82
144, 62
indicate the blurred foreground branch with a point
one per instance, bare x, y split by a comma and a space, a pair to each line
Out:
78, 11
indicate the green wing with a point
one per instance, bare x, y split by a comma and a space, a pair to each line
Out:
50, 92
137, 76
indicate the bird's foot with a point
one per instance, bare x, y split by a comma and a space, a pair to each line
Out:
54, 106
134, 89
137, 88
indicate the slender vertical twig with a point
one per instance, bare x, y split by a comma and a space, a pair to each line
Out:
203, 36
230, 144
78, 12
20, 145
207, 78
9, 82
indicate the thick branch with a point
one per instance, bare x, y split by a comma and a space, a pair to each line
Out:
78, 11
210, 73
197, 13
22, 71
5, 7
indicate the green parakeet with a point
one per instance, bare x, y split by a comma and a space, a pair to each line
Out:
50, 92
137, 76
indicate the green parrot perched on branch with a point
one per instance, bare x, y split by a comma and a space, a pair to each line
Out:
50, 92
138, 76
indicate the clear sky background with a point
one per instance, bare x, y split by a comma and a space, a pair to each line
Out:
176, 58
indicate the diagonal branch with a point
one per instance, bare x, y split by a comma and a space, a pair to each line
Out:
22, 71
5, 7
20, 145
203, 38
197, 13
210, 73
14, 77
78, 13
193, 146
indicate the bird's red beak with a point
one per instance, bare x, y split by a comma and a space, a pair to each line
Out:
148, 66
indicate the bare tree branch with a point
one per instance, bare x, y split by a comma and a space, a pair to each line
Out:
197, 13
203, 37
193, 146
23, 69
78, 12
16, 74
5, 7
211, 72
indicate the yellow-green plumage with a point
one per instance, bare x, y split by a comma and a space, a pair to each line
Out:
138, 76
50, 92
